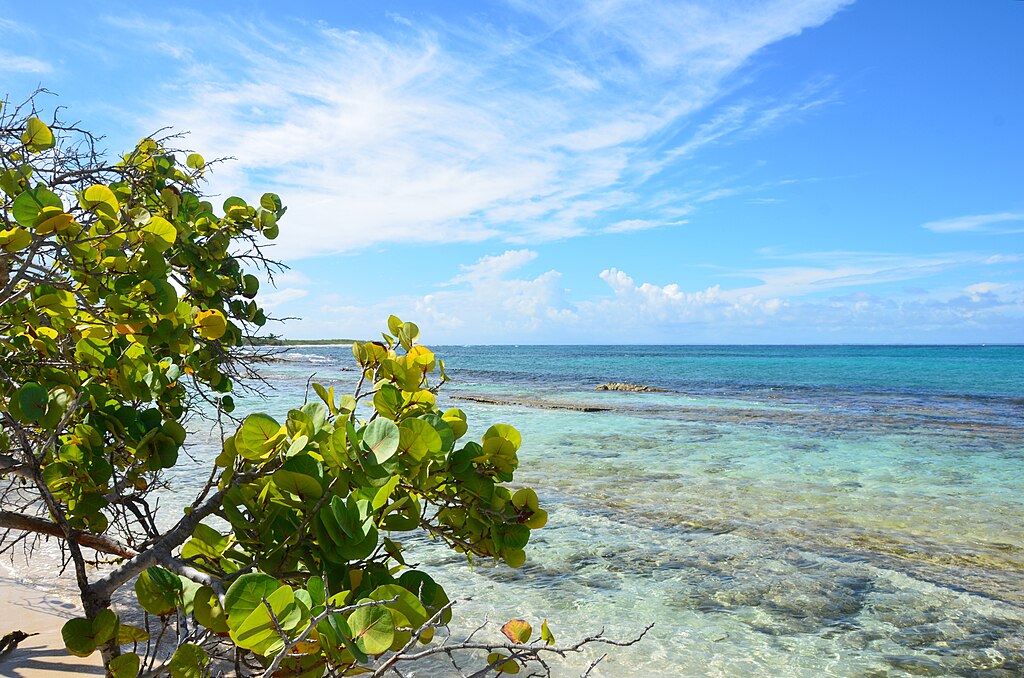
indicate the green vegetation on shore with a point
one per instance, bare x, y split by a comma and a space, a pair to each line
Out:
274, 340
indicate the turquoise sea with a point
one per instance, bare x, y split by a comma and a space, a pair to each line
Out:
776, 510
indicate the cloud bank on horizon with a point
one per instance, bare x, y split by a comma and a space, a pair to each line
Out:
627, 171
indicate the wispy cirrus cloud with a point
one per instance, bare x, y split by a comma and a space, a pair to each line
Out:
19, 63
633, 225
14, 63
979, 223
407, 134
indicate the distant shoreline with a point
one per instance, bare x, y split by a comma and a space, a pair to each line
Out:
259, 341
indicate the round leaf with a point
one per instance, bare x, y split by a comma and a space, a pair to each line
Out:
125, 665
33, 399
37, 136
258, 435
30, 204
372, 629
160, 234
100, 199
381, 438
211, 324
189, 661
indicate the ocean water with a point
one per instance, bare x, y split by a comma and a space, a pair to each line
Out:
775, 511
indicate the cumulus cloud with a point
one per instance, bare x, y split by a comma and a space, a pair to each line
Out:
496, 299
278, 298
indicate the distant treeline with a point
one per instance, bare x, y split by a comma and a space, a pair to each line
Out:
278, 341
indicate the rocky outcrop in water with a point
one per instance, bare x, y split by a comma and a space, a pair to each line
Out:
633, 388
544, 404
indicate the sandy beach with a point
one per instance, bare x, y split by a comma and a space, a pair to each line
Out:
31, 610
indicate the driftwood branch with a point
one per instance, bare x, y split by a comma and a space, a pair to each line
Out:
25, 523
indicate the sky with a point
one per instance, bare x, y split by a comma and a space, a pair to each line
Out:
689, 172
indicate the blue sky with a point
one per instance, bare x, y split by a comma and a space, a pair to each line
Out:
805, 171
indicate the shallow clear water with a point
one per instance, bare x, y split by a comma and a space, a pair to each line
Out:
777, 511
782, 511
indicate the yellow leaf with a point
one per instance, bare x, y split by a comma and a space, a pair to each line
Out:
160, 233
94, 331
100, 199
211, 324
517, 630
14, 239
52, 219
37, 136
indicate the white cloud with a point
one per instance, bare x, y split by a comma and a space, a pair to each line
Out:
494, 300
13, 63
977, 223
278, 298
443, 133
485, 303
491, 267
631, 225
978, 291
1002, 259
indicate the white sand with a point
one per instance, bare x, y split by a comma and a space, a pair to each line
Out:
33, 611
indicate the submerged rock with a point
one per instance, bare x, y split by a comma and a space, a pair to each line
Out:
634, 388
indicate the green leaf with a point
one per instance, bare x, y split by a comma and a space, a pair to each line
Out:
407, 334
545, 633
206, 542
456, 419
78, 637
130, 634
418, 439
505, 433
250, 286
195, 161
510, 667
245, 594
271, 202
82, 636
430, 593
208, 611
159, 233
514, 557
258, 435
388, 400
100, 199
33, 399
37, 136
154, 594
259, 631
300, 485
408, 605
381, 438
30, 204
317, 590
189, 661
125, 665
372, 629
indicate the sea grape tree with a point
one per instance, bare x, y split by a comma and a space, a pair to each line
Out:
126, 301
